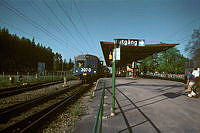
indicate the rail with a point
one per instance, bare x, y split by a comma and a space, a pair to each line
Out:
7, 113
14, 91
98, 122
34, 122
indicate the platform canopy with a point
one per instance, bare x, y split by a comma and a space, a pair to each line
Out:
129, 53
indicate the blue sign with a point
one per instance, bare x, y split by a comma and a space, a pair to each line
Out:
41, 67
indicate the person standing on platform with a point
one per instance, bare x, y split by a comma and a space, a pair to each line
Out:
190, 83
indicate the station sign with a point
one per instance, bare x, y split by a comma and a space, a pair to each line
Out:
117, 53
125, 42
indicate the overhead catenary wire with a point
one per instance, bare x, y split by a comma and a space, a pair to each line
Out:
37, 9
184, 38
70, 19
27, 33
74, 25
5, 23
46, 4
43, 15
85, 25
33, 23
183, 27
18, 13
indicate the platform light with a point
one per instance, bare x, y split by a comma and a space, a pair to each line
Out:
110, 56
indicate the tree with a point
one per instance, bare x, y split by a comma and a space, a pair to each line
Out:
22, 54
170, 61
193, 47
70, 65
148, 64
57, 62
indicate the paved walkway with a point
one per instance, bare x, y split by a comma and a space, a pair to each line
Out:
145, 106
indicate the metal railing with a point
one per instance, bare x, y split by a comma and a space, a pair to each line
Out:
98, 122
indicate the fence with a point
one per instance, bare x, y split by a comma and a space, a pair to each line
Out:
173, 77
98, 122
13, 79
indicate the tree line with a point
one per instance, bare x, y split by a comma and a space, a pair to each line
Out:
169, 61
193, 47
22, 55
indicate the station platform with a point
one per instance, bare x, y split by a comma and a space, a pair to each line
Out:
145, 106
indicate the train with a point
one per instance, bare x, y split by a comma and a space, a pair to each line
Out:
89, 68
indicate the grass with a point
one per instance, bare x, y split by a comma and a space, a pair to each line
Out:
7, 83
76, 111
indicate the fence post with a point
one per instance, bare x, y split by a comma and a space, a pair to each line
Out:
44, 75
17, 78
27, 76
65, 82
53, 76
36, 76
3, 76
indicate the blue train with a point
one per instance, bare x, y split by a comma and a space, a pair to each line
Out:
88, 67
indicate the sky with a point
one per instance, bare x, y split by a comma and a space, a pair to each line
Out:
74, 27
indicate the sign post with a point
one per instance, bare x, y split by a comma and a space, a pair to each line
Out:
117, 53
113, 81
116, 56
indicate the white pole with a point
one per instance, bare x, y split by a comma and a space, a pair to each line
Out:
3, 75
17, 76
53, 76
27, 76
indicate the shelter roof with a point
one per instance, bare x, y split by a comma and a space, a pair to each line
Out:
130, 53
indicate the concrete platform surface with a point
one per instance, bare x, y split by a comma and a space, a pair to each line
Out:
147, 106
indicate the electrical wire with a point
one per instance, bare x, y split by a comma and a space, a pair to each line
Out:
33, 23
183, 27
83, 22
37, 9
19, 29
74, 25
40, 12
60, 21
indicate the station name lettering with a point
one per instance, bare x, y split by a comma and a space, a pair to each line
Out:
127, 42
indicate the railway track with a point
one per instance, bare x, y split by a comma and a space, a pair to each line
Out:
14, 91
23, 86
31, 122
9, 112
